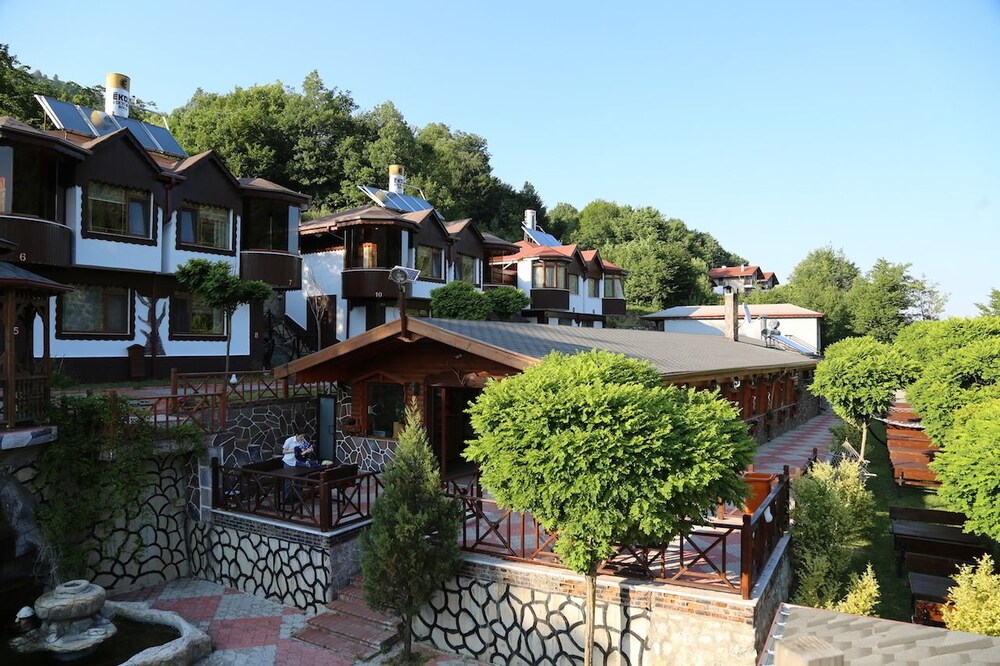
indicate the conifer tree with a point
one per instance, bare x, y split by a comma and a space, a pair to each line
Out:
411, 547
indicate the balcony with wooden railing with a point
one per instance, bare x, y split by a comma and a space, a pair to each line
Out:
726, 552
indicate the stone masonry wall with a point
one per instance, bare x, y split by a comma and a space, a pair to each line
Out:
505, 613
280, 562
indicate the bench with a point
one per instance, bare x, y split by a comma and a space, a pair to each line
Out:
927, 515
935, 565
897, 456
914, 474
928, 595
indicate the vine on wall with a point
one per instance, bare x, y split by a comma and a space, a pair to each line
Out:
93, 474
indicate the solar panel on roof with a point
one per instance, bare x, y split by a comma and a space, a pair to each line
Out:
94, 122
402, 202
542, 238
65, 115
168, 144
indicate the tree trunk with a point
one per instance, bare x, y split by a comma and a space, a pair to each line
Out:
864, 439
407, 638
590, 611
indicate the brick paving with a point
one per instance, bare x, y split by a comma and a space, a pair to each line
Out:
795, 447
250, 631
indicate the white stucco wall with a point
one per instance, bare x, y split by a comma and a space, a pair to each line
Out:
805, 329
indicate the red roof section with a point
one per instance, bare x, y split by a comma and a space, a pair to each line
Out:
733, 271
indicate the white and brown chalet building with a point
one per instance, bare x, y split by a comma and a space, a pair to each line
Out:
567, 286
111, 206
743, 279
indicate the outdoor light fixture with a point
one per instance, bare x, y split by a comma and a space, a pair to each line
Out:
736, 382
401, 275
233, 379
415, 388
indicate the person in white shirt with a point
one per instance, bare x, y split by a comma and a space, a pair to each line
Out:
295, 450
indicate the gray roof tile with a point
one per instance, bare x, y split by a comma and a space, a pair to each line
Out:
671, 353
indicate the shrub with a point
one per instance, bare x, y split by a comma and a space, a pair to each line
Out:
975, 600
925, 341
459, 300
862, 594
832, 512
840, 433
506, 301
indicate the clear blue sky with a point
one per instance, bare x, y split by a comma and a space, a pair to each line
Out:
778, 127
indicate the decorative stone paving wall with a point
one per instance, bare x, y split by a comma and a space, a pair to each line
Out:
259, 430
279, 562
502, 613
158, 522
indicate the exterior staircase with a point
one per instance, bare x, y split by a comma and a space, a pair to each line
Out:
348, 625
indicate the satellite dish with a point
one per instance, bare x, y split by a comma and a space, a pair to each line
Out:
401, 275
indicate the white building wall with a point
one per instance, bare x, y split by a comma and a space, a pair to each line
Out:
805, 329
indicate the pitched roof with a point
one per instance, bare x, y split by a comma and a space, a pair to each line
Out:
733, 271
769, 275
265, 186
353, 216
12, 275
498, 243
608, 266
783, 310
675, 355
10, 125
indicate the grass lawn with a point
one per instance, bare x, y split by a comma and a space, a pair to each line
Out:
895, 591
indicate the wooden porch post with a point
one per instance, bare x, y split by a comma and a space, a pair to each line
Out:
443, 423
10, 360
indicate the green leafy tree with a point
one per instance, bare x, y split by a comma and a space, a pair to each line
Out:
860, 377
882, 302
991, 307
274, 132
924, 342
459, 300
599, 451
821, 282
975, 599
960, 377
505, 302
969, 467
16, 88
215, 285
564, 220
411, 547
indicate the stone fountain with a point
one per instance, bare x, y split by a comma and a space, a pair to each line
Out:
73, 622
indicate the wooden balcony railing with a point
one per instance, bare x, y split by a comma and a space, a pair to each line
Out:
323, 501
725, 554
249, 386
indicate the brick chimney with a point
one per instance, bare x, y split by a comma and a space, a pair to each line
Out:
730, 307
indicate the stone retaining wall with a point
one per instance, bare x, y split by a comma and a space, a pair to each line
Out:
276, 561
502, 613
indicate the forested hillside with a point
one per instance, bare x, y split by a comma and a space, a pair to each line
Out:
316, 140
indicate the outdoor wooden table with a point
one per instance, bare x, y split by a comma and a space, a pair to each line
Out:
933, 539
927, 595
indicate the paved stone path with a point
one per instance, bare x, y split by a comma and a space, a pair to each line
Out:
249, 631
795, 447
